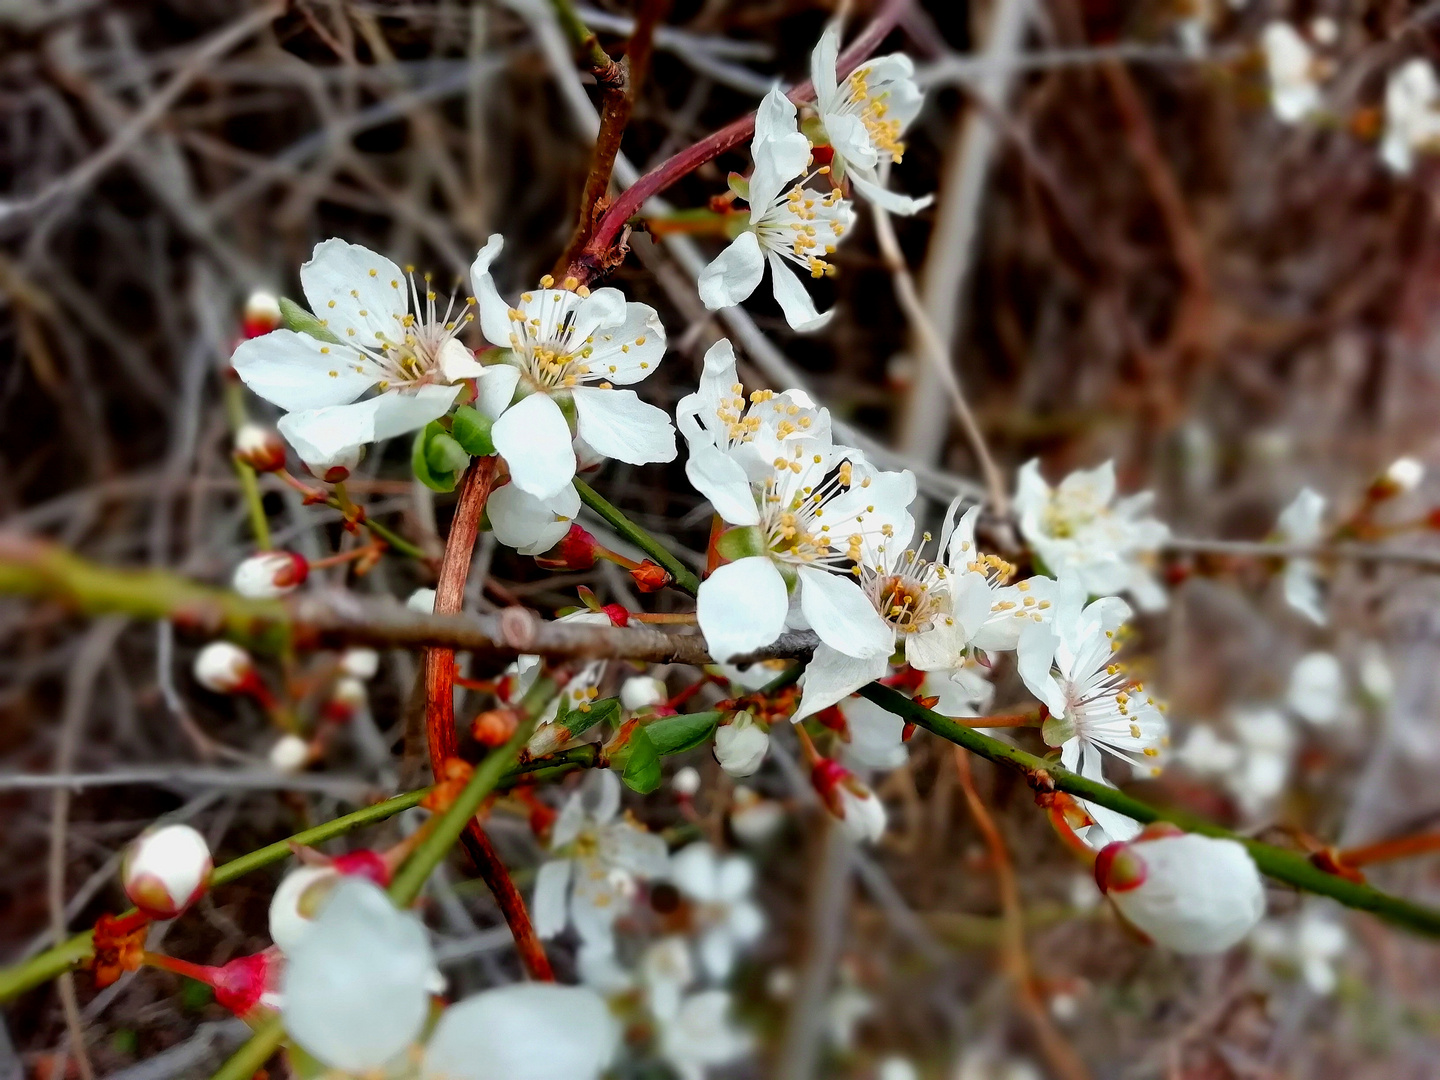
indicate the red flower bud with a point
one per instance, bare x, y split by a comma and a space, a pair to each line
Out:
270, 574
577, 551
261, 448
364, 863
1118, 868
651, 577
618, 615
244, 984
494, 726
261, 314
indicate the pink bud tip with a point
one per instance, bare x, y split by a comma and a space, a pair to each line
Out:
364, 863
1118, 868
618, 615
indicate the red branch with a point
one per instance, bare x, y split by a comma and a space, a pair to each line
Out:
596, 257
440, 711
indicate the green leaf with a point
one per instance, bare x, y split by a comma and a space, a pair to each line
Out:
471, 429
441, 479
676, 734
642, 763
296, 318
606, 710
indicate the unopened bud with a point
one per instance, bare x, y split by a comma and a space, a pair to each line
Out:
859, 809
249, 984
261, 315
1194, 894
260, 447
617, 614
270, 574
753, 818
1403, 475
578, 550
495, 726
642, 692
338, 468
360, 663
224, 668
290, 754
165, 870
741, 745
651, 577
346, 700
686, 782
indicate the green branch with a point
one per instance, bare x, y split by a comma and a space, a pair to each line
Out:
251, 1058
683, 577
1290, 867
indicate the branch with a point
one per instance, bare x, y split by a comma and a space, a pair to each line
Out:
1290, 867
596, 257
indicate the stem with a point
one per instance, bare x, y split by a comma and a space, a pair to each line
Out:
581, 36
1290, 867
683, 578
440, 712
1400, 847
251, 1058
596, 256
249, 485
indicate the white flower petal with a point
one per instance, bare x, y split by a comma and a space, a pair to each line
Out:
892, 201
741, 607
630, 350
497, 389
494, 312
839, 611
733, 274
831, 676
550, 907
529, 525
350, 287
457, 362
876, 735
534, 439
823, 62
618, 424
297, 371
794, 301
722, 480
324, 435
525, 1031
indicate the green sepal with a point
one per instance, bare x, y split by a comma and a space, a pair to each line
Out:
471, 429
740, 542
739, 185
440, 470
579, 721
641, 763
676, 734
296, 318
444, 455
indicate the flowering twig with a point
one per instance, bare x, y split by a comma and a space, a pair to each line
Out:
684, 578
596, 256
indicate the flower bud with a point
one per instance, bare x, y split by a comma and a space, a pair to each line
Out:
360, 663
224, 668
260, 447
1194, 894
858, 808
1402, 475
249, 984
578, 550
347, 698
338, 468
495, 726
270, 574
643, 691
686, 782
165, 870
651, 577
741, 745
261, 314
290, 754
422, 600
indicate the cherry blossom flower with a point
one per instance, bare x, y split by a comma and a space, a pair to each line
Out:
600, 857
1302, 522
643, 692
165, 870
360, 663
754, 819
1309, 945
698, 1034
1080, 530
1194, 894
1412, 119
725, 918
1255, 766
289, 753
789, 225
270, 574
564, 353
1094, 704
803, 510
387, 338
849, 800
1293, 71
741, 744
864, 117
876, 736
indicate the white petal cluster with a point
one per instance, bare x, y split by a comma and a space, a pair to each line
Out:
804, 508
725, 918
1293, 71
387, 337
601, 856
1412, 114
1254, 765
1081, 530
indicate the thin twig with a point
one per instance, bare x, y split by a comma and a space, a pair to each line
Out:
1264, 549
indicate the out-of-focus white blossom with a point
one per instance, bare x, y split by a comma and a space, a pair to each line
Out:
289, 753
223, 668
1412, 118
1081, 531
726, 918
741, 745
565, 352
1301, 523
850, 800
753, 818
600, 858
1311, 944
686, 782
1293, 72
1376, 677
165, 870
270, 574
260, 447
422, 600
1317, 689
875, 736
360, 663
642, 692
1407, 473
698, 1034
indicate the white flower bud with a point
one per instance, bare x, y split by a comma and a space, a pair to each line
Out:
348, 695
641, 692
1405, 473
223, 667
261, 314
290, 754
741, 745
338, 468
360, 663
422, 600
270, 574
864, 817
686, 782
1194, 894
165, 870
260, 447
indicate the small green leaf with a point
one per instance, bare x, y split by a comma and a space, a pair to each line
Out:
676, 734
606, 710
424, 469
296, 318
642, 763
471, 429
739, 185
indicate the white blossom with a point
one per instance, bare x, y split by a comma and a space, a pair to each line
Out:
698, 1034
421, 600
803, 510
754, 819
387, 338
1310, 944
1405, 473
1301, 523
223, 668
600, 857
686, 782
297, 900
741, 745
525, 1031
643, 692
1412, 119
1254, 766
726, 919
864, 116
165, 870
360, 663
1194, 894
1080, 530
789, 225
565, 352
1293, 72
289, 753
1317, 689
875, 735
530, 525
